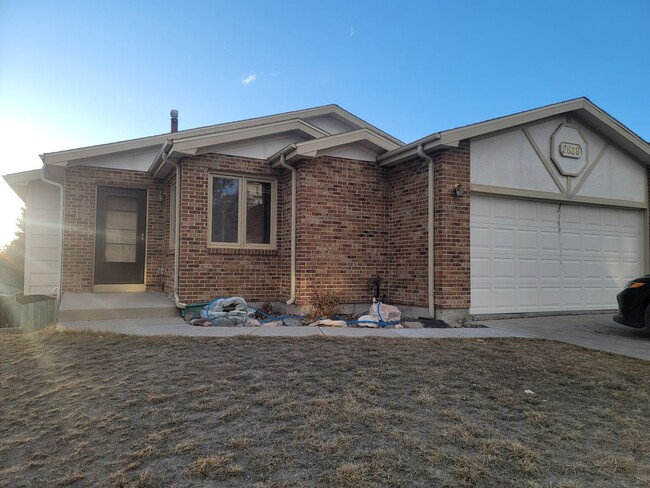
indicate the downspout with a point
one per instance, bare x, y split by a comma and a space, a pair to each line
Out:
177, 237
283, 163
52, 182
430, 228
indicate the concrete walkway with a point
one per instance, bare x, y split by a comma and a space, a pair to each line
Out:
594, 331
176, 326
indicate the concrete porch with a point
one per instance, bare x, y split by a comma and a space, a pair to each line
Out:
115, 306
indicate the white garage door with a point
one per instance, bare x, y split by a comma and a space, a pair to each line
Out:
532, 256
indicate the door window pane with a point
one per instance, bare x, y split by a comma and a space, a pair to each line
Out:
258, 212
121, 228
225, 209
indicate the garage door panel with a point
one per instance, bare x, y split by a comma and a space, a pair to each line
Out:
551, 297
527, 240
526, 268
592, 270
547, 214
527, 212
630, 245
503, 239
572, 297
571, 269
629, 270
504, 268
527, 256
549, 240
502, 210
593, 296
629, 222
591, 243
570, 215
570, 241
611, 243
503, 298
550, 268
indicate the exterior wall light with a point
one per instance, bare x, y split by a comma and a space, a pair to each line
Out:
458, 190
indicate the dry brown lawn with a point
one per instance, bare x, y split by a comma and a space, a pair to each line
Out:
83, 409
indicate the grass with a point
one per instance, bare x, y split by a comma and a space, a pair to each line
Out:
84, 409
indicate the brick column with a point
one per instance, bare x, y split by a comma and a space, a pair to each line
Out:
452, 234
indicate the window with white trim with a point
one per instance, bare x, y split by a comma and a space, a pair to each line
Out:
242, 211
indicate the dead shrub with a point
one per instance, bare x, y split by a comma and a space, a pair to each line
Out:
324, 304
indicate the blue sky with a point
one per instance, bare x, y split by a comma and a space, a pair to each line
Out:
77, 73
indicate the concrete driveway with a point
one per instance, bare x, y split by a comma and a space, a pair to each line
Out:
595, 331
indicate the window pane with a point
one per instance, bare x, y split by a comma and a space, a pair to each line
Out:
258, 212
225, 209
121, 227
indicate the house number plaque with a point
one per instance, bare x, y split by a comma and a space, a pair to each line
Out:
569, 150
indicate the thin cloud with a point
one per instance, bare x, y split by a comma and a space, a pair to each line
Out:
351, 31
249, 79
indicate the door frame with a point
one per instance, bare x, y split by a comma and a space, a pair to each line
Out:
121, 287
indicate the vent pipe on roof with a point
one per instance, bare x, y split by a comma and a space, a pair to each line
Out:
174, 116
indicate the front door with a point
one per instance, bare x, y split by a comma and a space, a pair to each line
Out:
120, 235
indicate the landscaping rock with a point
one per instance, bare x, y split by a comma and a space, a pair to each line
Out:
329, 323
276, 323
389, 313
224, 322
368, 321
252, 323
292, 322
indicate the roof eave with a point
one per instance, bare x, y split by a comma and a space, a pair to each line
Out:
310, 149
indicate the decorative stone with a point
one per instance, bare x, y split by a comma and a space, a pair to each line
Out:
389, 313
251, 323
413, 325
368, 321
223, 322
237, 313
275, 323
292, 322
329, 323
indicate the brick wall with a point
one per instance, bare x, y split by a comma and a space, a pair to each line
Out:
205, 273
81, 184
408, 275
407, 278
452, 273
342, 236
355, 220
168, 252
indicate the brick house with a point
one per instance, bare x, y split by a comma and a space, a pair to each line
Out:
540, 211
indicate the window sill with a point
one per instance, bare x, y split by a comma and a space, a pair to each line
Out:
242, 250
